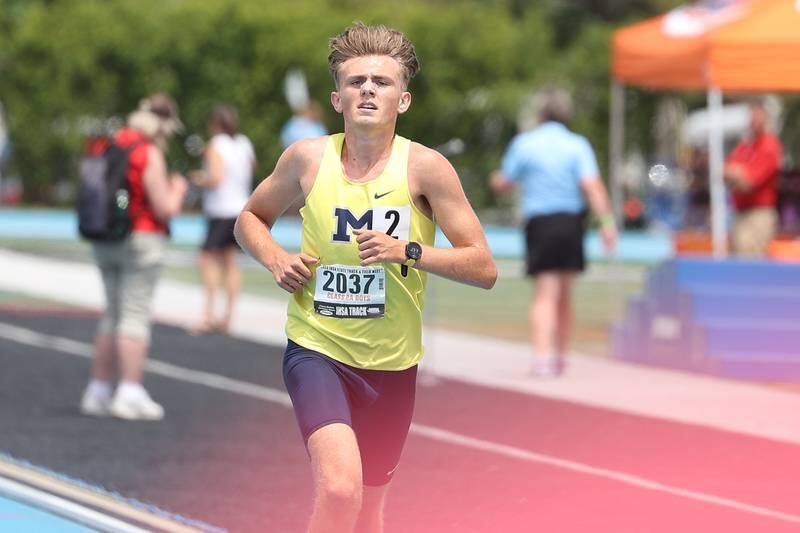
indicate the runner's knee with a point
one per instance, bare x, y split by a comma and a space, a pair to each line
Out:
343, 494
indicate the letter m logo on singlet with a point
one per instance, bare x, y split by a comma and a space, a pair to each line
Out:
393, 221
345, 218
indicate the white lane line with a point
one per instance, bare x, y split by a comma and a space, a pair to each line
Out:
34, 338
628, 479
213, 381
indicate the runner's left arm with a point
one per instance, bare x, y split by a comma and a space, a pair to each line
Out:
469, 261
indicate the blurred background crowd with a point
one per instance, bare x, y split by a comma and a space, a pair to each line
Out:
71, 70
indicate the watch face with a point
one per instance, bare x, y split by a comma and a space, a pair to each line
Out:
413, 251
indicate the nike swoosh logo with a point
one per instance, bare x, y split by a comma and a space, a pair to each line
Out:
379, 196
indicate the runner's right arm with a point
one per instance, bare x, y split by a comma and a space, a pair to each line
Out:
268, 202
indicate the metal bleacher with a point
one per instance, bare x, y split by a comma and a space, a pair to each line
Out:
733, 318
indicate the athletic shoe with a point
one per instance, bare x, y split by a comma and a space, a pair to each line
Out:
136, 407
95, 403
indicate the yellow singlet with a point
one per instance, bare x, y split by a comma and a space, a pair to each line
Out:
366, 317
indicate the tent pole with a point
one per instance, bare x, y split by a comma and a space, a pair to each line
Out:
617, 149
719, 231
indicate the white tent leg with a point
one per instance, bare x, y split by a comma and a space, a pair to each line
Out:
617, 149
719, 231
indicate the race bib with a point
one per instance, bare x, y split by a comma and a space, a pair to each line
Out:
347, 291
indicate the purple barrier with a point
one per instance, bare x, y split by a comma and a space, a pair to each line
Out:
732, 318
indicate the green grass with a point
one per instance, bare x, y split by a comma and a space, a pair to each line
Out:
70, 250
255, 280
501, 312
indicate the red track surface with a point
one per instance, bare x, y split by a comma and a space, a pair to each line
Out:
238, 462
488, 492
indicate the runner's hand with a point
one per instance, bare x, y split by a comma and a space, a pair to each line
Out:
291, 271
377, 247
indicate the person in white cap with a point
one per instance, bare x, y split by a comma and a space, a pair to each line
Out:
131, 267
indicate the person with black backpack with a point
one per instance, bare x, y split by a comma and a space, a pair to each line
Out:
124, 208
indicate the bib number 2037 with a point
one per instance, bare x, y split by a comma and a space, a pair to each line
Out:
347, 283
344, 291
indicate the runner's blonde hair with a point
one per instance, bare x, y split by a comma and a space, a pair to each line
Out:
361, 40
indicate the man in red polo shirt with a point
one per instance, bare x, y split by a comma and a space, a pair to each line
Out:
751, 172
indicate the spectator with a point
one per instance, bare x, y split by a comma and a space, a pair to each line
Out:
751, 172
130, 268
227, 179
305, 124
557, 172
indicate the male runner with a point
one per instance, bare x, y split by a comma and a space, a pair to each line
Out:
355, 317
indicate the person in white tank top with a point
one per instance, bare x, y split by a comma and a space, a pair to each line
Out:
227, 181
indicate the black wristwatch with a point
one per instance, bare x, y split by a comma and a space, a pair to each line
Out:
413, 253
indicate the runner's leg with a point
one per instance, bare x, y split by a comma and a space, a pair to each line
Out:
382, 428
336, 469
371, 518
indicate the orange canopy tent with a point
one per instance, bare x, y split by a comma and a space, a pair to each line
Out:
760, 52
645, 55
712, 45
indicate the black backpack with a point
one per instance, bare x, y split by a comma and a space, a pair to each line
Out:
104, 194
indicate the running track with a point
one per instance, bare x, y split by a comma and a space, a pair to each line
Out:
478, 459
